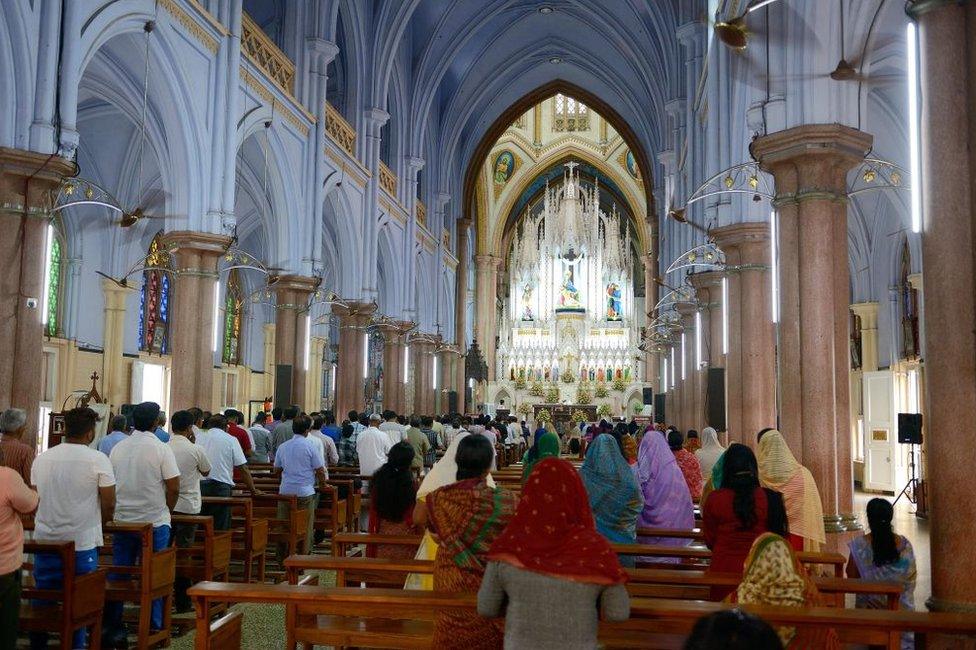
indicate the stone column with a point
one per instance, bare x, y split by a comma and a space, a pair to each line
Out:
313, 377
686, 362
750, 365
947, 44
353, 318
486, 269
422, 356
28, 185
269, 355
292, 294
460, 307
446, 375
652, 362
394, 396
810, 166
191, 336
868, 313
114, 380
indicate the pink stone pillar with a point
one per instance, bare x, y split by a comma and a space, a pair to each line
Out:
191, 329
486, 270
422, 357
750, 365
350, 386
810, 166
460, 307
291, 330
947, 48
24, 220
686, 366
394, 394
652, 362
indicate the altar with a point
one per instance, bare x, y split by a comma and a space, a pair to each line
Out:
565, 416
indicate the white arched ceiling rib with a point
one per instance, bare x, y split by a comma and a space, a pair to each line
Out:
389, 25
389, 269
275, 203
17, 70
346, 239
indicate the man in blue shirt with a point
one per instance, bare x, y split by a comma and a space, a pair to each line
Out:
119, 431
330, 429
160, 431
300, 464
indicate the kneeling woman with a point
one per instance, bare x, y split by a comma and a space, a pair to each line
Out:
551, 553
465, 518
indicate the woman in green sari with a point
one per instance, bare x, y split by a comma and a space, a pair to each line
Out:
546, 446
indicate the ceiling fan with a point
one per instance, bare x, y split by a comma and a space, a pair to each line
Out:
733, 32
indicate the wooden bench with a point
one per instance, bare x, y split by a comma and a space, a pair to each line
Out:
208, 558
330, 512
151, 578
673, 533
290, 530
77, 604
249, 535
353, 498
397, 618
225, 632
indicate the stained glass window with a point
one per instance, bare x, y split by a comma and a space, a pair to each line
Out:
569, 114
154, 302
53, 287
909, 307
233, 306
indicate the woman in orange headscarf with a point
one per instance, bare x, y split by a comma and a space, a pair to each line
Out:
780, 471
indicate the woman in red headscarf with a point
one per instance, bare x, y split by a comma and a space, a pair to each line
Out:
551, 552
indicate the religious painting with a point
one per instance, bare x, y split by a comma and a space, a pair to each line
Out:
614, 304
569, 295
527, 314
628, 162
504, 167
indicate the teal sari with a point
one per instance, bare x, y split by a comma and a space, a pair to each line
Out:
615, 497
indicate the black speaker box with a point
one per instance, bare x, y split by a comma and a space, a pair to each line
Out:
715, 399
282, 385
452, 401
910, 428
648, 395
659, 408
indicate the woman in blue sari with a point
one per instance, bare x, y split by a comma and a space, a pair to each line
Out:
615, 497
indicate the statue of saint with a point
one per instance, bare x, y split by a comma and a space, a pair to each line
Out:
569, 295
614, 308
527, 303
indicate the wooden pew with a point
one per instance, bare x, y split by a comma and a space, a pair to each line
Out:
398, 618
353, 498
330, 513
77, 604
249, 535
143, 583
673, 533
225, 632
290, 529
209, 556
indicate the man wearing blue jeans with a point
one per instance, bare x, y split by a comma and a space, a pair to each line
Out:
76, 486
148, 488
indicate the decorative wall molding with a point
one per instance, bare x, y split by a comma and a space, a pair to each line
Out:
192, 25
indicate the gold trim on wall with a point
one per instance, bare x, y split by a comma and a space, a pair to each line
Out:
192, 26
259, 48
257, 86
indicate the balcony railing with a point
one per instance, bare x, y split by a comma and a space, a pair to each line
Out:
260, 49
339, 130
388, 180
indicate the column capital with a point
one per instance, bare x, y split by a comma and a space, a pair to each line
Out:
487, 262
464, 223
326, 50
374, 119
440, 200
915, 281
354, 312
297, 283
414, 164
868, 313
199, 242
917, 8
738, 234
36, 174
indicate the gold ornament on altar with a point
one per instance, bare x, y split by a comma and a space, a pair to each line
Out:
524, 409
583, 396
520, 383
544, 417
604, 411
567, 377
536, 390
552, 394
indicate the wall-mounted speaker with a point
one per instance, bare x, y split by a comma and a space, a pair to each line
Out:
648, 395
715, 399
282, 385
659, 400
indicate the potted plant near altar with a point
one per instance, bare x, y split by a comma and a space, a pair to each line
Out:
618, 384
520, 383
583, 395
601, 391
524, 409
604, 411
552, 394
544, 417
578, 416
536, 389
567, 376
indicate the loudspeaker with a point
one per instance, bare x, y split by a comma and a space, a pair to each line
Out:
282, 385
659, 408
648, 395
715, 399
910, 428
452, 401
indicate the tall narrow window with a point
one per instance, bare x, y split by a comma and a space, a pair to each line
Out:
52, 283
909, 307
233, 306
154, 302
569, 114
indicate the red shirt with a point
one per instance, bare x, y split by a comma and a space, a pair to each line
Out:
241, 434
723, 532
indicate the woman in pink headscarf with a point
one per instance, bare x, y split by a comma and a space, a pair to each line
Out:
667, 501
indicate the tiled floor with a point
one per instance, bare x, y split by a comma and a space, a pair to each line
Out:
917, 531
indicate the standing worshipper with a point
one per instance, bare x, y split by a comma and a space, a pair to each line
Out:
692, 442
392, 497
709, 452
148, 487
234, 428
667, 501
347, 447
119, 428
427, 428
419, 442
392, 427
283, 431
260, 439
628, 446
372, 447
329, 428
330, 454
614, 495
225, 455
160, 430
16, 499
300, 464
14, 453
780, 471
773, 576
551, 552
687, 463
884, 556
193, 464
76, 486
465, 518
546, 446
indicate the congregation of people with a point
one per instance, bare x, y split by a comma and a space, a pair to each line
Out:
432, 476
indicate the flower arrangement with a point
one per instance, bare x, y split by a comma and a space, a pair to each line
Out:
567, 376
601, 390
578, 416
618, 384
524, 409
520, 383
552, 394
637, 408
604, 411
544, 417
536, 389
583, 395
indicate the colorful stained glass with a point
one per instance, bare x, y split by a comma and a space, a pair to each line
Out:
154, 302
53, 288
233, 306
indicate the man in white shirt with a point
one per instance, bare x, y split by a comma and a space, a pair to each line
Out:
225, 455
372, 447
514, 432
392, 428
193, 464
148, 488
330, 455
76, 486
